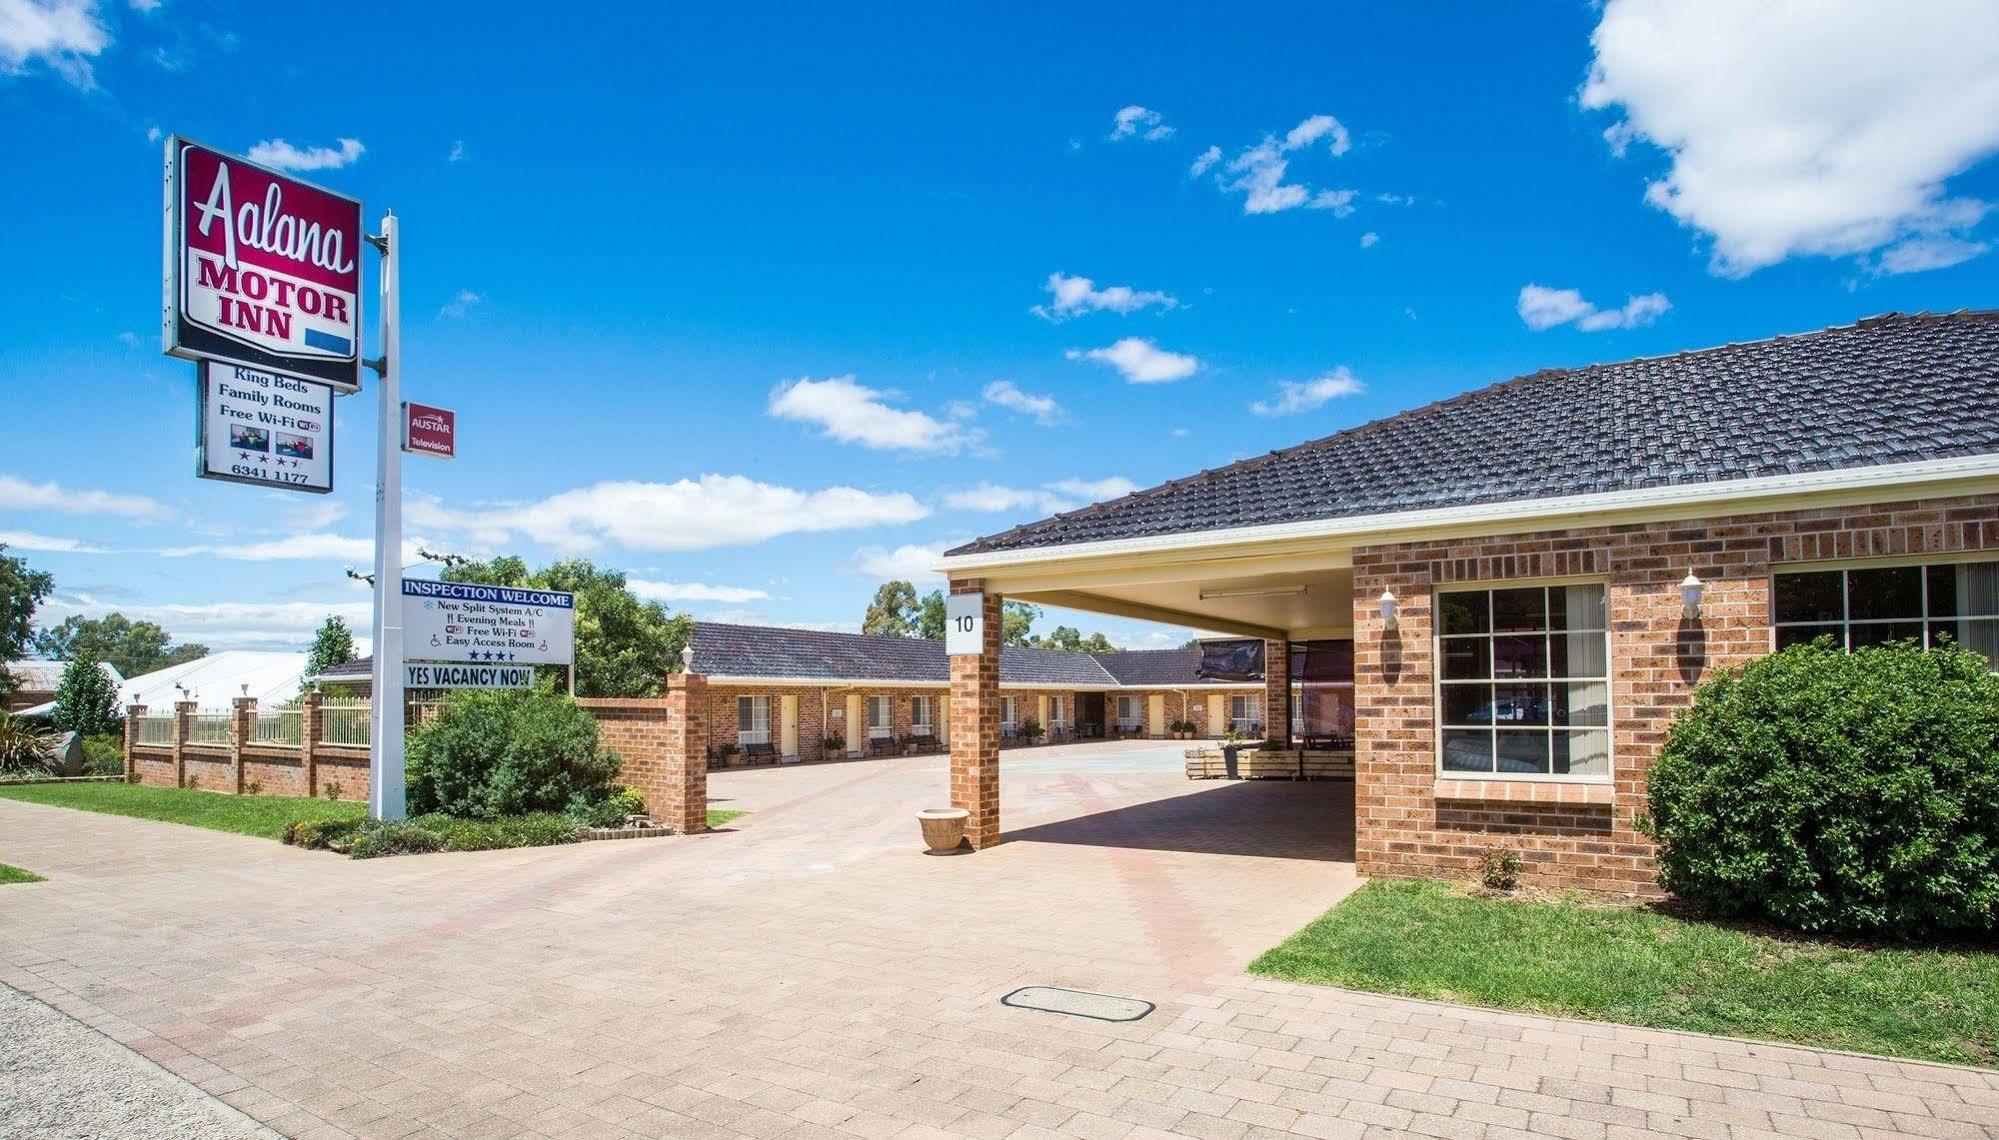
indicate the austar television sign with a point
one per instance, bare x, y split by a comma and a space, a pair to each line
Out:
262, 270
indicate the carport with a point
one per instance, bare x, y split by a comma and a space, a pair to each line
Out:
1298, 602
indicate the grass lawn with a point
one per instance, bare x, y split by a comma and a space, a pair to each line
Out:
1637, 966
717, 817
263, 816
16, 875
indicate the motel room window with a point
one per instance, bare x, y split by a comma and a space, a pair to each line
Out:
922, 715
1523, 682
1955, 602
1009, 715
878, 723
1058, 714
752, 721
1130, 713
1245, 712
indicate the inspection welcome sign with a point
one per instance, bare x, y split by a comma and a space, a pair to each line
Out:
262, 269
461, 621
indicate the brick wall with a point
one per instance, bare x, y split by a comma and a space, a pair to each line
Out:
1408, 821
975, 725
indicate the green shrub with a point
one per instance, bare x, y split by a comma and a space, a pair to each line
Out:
104, 754
492, 754
1837, 792
322, 834
399, 837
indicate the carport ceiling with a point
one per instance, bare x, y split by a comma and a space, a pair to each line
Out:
1290, 604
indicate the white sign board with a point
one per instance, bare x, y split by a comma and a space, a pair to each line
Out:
428, 676
457, 621
964, 624
265, 428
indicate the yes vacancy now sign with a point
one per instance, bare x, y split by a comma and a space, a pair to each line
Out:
262, 269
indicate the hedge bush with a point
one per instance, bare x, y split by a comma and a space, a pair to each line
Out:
1833, 791
486, 755
420, 835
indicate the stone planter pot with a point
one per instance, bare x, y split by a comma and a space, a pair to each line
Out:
943, 828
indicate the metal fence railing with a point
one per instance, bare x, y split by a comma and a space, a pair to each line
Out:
284, 727
208, 728
157, 730
344, 722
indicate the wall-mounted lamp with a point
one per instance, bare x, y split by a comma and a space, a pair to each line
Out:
1388, 606
1691, 589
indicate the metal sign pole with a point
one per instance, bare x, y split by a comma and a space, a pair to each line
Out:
385, 740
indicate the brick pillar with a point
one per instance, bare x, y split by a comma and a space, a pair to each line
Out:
183, 710
683, 782
1277, 692
133, 716
242, 721
308, 740
975, 726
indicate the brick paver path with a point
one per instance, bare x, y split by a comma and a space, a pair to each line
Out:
814, 975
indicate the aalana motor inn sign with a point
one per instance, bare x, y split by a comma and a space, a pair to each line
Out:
263, 270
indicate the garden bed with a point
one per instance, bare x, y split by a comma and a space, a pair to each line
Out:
1640, 964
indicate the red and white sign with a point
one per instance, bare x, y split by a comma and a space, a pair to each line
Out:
263, 270
430, 431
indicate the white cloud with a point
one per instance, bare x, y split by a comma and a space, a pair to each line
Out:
457, 151
1258, 172
694, 592
332, 547
1294, 396
1370, 239
1007, 394
1141, 361
20, 540
21, 495
850, 413
460, 305
153, 134
1205, 162
689, 514
1826, 128
63, 35
223, 625
910, 562
146, 5
1074, 296
1139, 122
285, 156
1544, 308
1048, 499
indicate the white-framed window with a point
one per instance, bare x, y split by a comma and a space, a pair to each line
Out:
752, 721
923, 716
1009, 715
1058, 714
1523, 688
878, 718
1245, 711
1130, 712
1868, 605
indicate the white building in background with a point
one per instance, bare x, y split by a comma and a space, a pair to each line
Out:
211, 682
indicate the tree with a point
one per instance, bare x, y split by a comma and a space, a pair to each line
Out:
624, 647
132, 647
86, 699
1069, 639
21, 590
1016, 620
930, 616
894, 611
332, 645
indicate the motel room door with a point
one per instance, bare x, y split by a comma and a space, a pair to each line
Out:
1090, 711
788, 727
1155, 715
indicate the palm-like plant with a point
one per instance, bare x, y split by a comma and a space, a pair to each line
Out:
24, 747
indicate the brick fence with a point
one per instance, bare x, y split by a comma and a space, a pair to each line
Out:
663, 742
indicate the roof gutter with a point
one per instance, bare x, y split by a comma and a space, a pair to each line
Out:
1689, 499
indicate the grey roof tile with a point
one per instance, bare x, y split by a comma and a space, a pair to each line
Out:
1889, 389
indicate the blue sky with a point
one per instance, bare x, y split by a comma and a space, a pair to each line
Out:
744, 300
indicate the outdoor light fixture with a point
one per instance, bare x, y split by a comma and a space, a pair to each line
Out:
1388, 604
1691, 589
1265, 592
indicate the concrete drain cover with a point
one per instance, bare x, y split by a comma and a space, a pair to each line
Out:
1078, 1003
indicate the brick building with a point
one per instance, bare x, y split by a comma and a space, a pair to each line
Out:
1524, 584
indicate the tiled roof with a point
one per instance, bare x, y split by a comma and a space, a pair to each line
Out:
1153, 667
1890, 389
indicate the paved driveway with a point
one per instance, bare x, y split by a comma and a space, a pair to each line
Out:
813, 974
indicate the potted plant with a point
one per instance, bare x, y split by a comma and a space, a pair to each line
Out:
943, 829
833, 745
1033, 731
728, 753
909, 741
